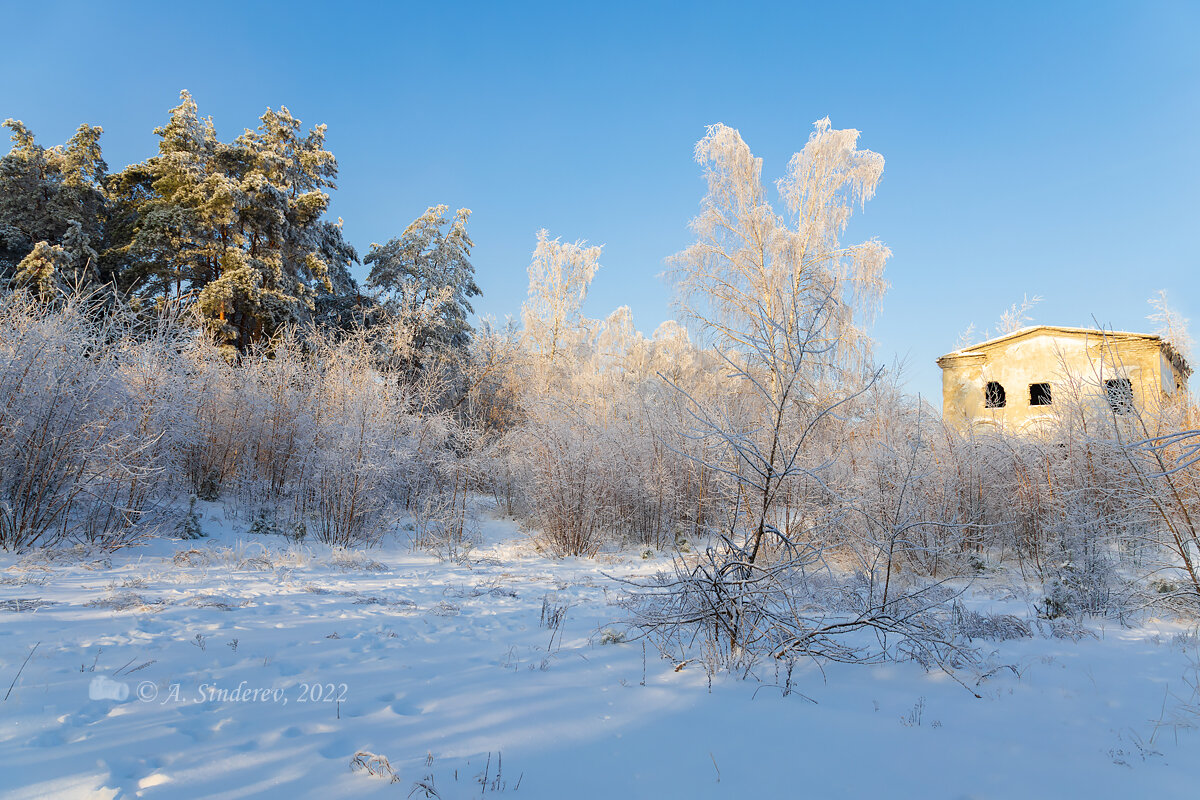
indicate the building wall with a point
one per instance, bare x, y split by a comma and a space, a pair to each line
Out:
1069, 362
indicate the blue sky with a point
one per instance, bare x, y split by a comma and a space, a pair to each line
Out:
1032, 148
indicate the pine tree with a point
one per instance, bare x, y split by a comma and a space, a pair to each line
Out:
428, 267
175, 210
40, 271
238, 227
52, 196
189, 527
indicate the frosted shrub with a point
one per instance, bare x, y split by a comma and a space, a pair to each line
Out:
279, 416
79, 456
1160, 452
210, 430
587, 475
898, 508
439, 507
106, 415
565, 472
352, 473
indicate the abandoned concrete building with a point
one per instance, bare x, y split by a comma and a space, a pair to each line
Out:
1013, 380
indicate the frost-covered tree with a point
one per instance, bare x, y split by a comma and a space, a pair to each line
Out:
176, 209
52, 196
238, 227
66, 266
758, 268
288, 253
559, 277
1170, 324
429, 266
41, 270
783, 301
618, 343
673, 355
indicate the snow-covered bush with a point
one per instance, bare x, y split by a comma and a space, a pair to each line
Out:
80, 456
108, 413
599, 460
315, 433
1160, 452
567, 477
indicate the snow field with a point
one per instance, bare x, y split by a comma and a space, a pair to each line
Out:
259, 668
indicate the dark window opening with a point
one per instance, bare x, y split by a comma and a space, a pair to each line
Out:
1120, 394
993, 395
1039, 394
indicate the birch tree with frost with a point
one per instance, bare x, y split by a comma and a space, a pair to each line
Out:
559, 277
783, 300
785, 303
757, 270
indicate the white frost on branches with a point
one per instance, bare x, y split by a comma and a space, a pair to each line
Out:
559, 276
1017, 315
1170, 324
754, 265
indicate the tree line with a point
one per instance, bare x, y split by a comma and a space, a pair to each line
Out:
238, 229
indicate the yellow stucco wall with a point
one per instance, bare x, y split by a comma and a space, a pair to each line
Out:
1075, 363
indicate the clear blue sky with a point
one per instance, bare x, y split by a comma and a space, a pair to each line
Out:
1032, 148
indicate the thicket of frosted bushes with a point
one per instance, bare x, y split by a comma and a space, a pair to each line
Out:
110, 418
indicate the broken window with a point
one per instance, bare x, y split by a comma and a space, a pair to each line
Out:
993, 395
1039, 394
1120, 394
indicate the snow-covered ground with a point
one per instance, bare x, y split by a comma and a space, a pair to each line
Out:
242, 666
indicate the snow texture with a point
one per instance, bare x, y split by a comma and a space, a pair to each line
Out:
247, 666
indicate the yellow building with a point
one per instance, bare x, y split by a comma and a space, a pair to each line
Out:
1012, 380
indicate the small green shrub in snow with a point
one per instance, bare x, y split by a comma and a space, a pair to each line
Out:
190, 528
264, 522
298, 531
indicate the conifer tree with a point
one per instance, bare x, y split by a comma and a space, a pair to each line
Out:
40, 271
189, 526
52, 201
238, 227
428, 267
178, 208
